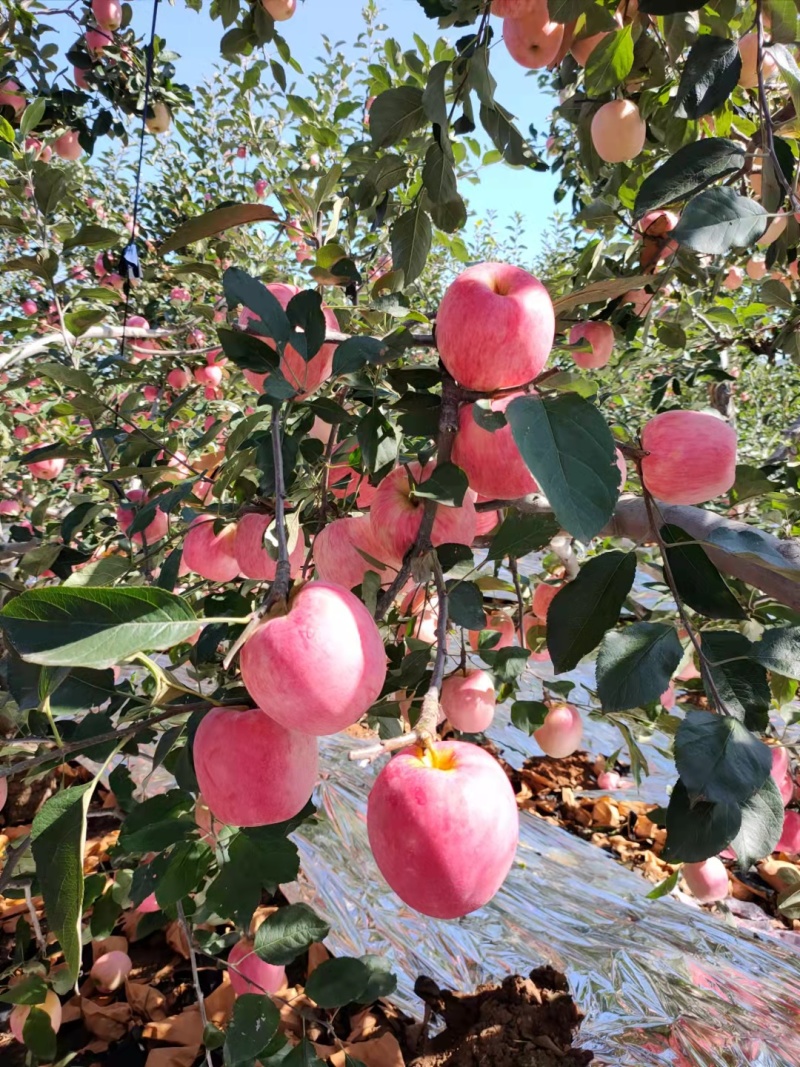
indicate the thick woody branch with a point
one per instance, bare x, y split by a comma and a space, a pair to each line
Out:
59, 340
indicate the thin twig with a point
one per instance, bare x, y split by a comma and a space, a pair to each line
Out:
36, 925
766, 118
201, 1004
512, 566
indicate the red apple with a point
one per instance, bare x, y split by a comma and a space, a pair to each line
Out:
67, 147
600, 335
318, 668
107, 14
459, 824
110, 970
491, 459
543, 597
534, 40
179, 378
692, 457
618, 131
561, 732
516, 9
503, 624
281, 10
422, 609
756, 268
338, 553
707, 880
251, 555
20, 1012
3, 792
495, 327
249, 974
211, 555
251, 770
11, 97
46, 469
790, 836
396, 514
97, 41
154, 530
468, 701
748, 50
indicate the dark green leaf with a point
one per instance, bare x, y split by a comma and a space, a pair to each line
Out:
185, 871
242, 288
382, 983
29, 990
337, 982
718, 759
568, 448
217, 221
585, 608
304, 312
93, 237
699, 583
302, 1055
669, 7
719, 219
94, 627
506, 663
762, 825
288, 932
157, 823
698, 830
507, 139
742, 684
521, 534
354, 353
779, 650
465, 604
411, 236
39, 1035
528, 715
254, 1024
58, 838
634, 665
709, 76
439, 176
447, 485
248, 351
395, 115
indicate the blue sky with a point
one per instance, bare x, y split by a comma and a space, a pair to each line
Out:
502, 188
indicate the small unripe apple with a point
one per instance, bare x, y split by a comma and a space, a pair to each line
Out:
707, 880
600, 335
495, 327
561, 732
20, 1012
210, 554
691, 457
110, 970
468, 701
459, 825
318, 668
67, 147
250, 974
618, 131
251, 770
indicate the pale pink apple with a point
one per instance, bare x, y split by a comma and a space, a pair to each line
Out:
179, 378
773, 231
781, 773
304, 376
734, 279
756, 268
344, 480
97, 41
667, 698
3, 792
249, 974
149, 905
459, 825
790, 836
534, 40
640, 299
490, 459
609, 780
210, 554
251, 770
67, 147
281, 10
338, 552
11, 97
707, 880
179, 295
543, 596
46, 469
107, 14
691, 457
560, 733
251, 554
20, 1012
495, 327
208, 375
318, 668
29, 307
500, 622
600, 335
396, 513
582, 47
516, 9
748, 50
421, 608
618, 131
154, 530
468, 701
110, 970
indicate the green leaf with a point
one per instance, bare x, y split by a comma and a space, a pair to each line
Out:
664, 888
217, 221
302, 1055
433, 96
762, 825
521, 534
32, 115
506, 663
304, 312
447, 485
585, 608
288, 932
58, 838
256, 860
610, 62
185, 871
439, 176
699, 829
99, 572
750, 543
709, 76
718, 220
356, 352
79, 321
241, 288
157, 823
39, 1035
30, 990
781, 17
248, 351
382, 982
6, 131
634, 665
689, 171
411, 236
568, 447
465, 604
93, 237
699, 583
338, 982
507, 139
255, 1022
790, 72
395, 115
718, 759
528, 715
742, 684
92, 626
779, 650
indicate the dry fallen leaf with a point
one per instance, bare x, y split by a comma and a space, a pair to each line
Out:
146, 1002
377, 1052
219, 1003
173, 1057
107, 1021
317, 954
185, 1029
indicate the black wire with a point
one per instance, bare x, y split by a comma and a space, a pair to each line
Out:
132, 246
